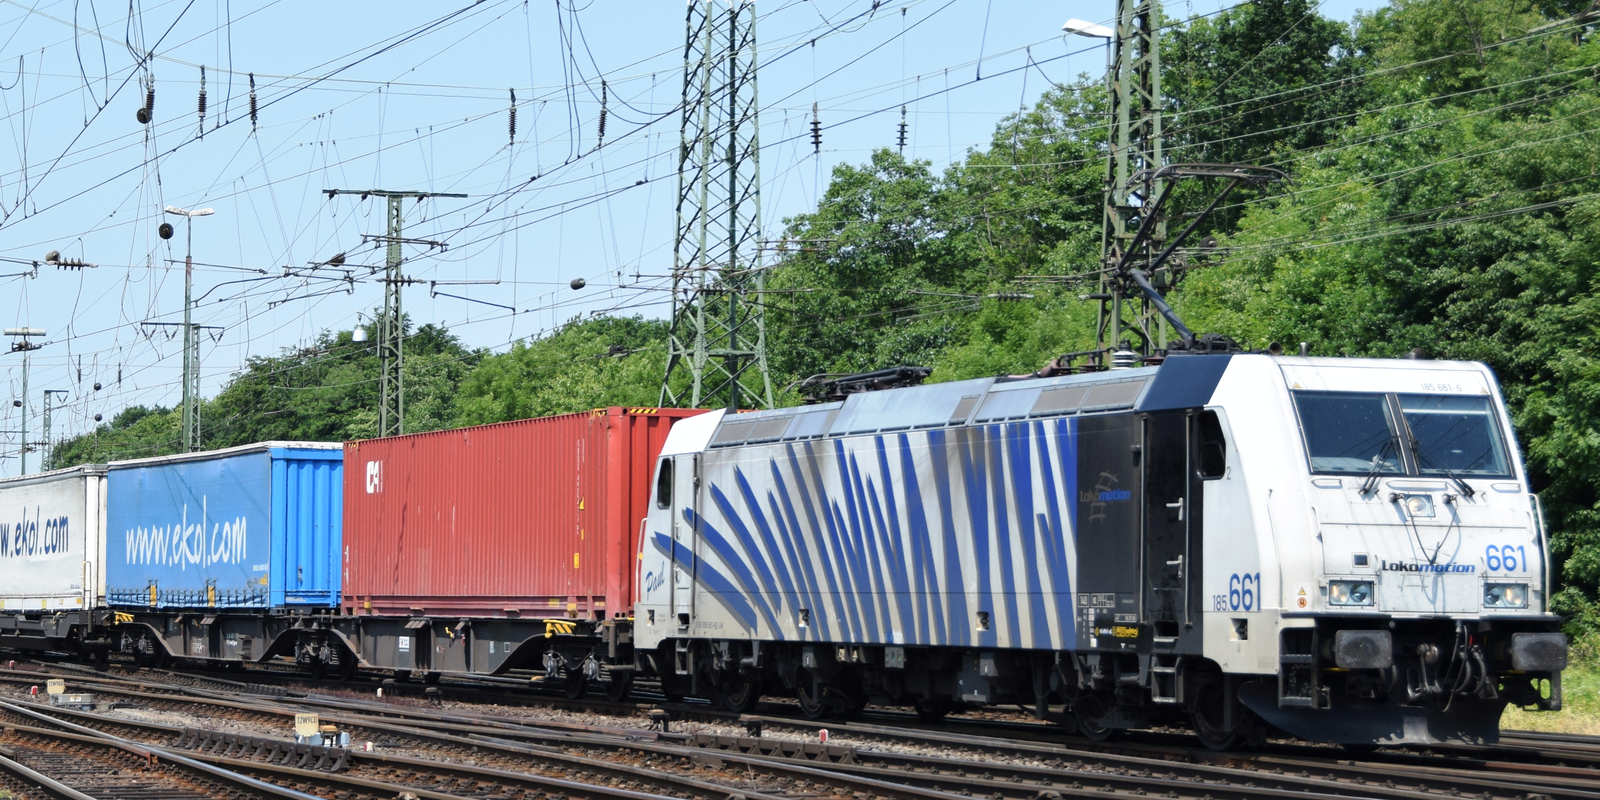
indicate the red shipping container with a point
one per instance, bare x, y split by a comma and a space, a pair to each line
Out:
534, 518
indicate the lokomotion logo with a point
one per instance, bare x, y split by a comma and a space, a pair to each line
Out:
34, 537
201, 543
1402, 566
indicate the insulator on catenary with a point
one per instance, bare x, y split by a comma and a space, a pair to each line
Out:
902, 137
511, 120
148, 112
252, 102
816, 131
602, 111
201, 105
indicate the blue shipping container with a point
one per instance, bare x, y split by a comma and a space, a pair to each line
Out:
257, 526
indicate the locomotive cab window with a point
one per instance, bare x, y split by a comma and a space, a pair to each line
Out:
1213, 447
1379, 434
1349, 432
1455, 434
664, 484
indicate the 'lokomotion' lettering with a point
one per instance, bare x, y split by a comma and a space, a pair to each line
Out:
1401, 566
35, 537
188, 543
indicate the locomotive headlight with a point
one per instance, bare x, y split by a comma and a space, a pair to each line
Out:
1350, 593
1419, 505
1505, 595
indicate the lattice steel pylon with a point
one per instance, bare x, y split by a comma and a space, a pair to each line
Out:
1134, 80
718, 332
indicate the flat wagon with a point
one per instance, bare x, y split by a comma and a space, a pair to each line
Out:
217, 555
464, 547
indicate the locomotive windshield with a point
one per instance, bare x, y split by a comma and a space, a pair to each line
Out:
1455, 434
1372, 434
1349, 432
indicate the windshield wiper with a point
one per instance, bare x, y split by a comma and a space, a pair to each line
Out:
1378, 463
1416, 453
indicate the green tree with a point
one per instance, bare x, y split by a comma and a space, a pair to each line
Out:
586, 364
895, 258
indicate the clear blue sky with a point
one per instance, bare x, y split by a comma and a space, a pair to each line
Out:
414, 95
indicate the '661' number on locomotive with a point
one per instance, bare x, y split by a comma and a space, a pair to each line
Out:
1243, 594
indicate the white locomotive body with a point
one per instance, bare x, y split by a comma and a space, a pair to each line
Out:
1343, 549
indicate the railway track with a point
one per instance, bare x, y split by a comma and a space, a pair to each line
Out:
342, 773
979, 758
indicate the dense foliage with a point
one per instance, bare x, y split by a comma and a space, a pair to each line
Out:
1444, 196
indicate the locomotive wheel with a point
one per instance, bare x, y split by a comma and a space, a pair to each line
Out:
810, 696
1088, 711
674, 688
1206, 719
619, 687
931, 710
858, 704
741, 693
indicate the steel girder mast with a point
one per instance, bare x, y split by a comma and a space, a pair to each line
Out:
718, 333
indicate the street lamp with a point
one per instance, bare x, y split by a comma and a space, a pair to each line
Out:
1090, 29
1093, 30
191, 360
24, 347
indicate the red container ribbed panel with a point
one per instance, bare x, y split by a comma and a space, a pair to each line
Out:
531, 518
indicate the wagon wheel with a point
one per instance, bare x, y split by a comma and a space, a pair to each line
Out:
347, 666
740, 693
575, 686
620, 686
148, 655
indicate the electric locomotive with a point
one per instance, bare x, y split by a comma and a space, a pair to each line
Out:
1343, 549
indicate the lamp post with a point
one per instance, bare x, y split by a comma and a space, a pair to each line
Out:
191, 358
1110, 290
24, 347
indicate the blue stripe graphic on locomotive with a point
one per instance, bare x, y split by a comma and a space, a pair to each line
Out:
881, 554
712, 580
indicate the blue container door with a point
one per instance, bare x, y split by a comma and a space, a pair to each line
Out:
307, 511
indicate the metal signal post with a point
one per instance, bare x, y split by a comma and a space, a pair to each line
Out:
47, 446
24, 347
718, 334
191, 342
391, 325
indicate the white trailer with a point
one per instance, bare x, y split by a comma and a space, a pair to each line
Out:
52, 548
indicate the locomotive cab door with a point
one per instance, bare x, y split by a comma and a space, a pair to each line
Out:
1169, 515
686, 478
